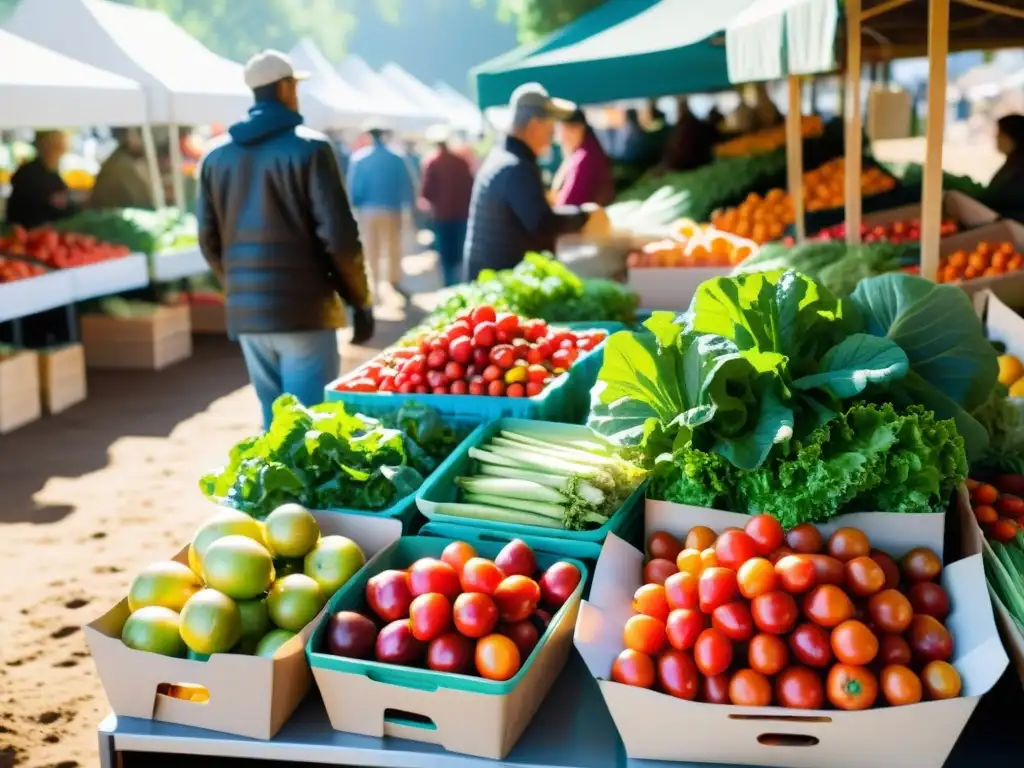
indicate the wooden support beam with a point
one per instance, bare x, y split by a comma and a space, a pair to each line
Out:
854, 124
881, 8
1002, 10
931, 181
795, 156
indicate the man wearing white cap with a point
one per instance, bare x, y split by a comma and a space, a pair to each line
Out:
276, 227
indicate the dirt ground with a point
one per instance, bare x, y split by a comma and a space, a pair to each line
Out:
90, 496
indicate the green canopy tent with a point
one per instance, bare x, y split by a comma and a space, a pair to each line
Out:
660, 48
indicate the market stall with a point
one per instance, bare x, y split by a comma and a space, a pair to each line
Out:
419, 93
409, 116
465, 115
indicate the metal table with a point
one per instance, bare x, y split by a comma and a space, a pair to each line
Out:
572, 729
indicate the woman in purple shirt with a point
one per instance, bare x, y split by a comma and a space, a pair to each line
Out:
586, 173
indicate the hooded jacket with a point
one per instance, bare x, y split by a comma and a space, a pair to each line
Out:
276, 227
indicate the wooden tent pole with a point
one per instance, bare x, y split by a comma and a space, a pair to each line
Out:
931, 181
795, 156
854, 131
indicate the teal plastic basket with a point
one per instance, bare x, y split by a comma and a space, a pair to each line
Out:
441, 488
399, 556
562, 400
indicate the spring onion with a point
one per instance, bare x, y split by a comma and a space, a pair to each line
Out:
594, 496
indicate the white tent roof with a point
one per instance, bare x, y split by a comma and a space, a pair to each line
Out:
45, 89
326, 100
463, 111
417, 92
408, 114
184, 82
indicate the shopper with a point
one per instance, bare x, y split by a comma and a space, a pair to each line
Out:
38, 193
276, 228
509, 212
1009, 179
381, 187
586, 174
445, 189
123, 180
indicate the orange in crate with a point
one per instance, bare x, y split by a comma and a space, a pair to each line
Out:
985, 259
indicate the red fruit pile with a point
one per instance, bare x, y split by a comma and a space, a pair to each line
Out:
460, 613
56, 250
754, 617
895, 232
481, 353
999, 506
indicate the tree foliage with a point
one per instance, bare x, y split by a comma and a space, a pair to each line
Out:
537, 18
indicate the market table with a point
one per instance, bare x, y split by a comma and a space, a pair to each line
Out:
177, 265
109, 277
32, 295
572, 729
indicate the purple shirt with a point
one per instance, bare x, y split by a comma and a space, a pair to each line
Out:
587, 177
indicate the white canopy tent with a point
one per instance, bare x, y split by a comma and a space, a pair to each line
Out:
408, 116
465, 114
40, 88
417, 92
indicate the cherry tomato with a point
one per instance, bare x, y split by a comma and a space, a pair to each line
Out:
847, 543
650, 600
748, 688
893, 649
853, 643
929, 598
734, 621
810, 645
700, 537
677, 675
805, 539
516, 598
921, 564
559, 581
890, 611
712, 652
507, 322
796, 573
828, 606
985, 494
941, 680
756, 576
681, 591
716, 586
767, 654
496, 657
1011, 506
900, 685
850, 687
774, 612
475, 614
799, 688
986, 515
451, 652
633, 668
481, 575
766, 532
715, 689
657, 570
430, 616
524, 634
496, 388
780, 553
827, 570
864, 577
889, 567
457, 554
734, 548
491, 373
708, 558
645, 634
928, 639
663, 545
482, 314
689, 561
683, 627
1003, 530
431, 575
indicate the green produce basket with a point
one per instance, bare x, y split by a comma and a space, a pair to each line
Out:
399, 556
555, 403
582, 544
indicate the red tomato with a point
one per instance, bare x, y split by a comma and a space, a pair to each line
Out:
748, 688
515, 390
853, 643
715, 689
482, 358
562, 359
893, 649
929, 598
517, 597
664, 545
733, 620
645, 634
810, 645
480, 575
430, 616
482, 314
900, 686
559, 582
508, 322
461, 351
767, 654
496, 388
485, 334
503, 356
756, 577
774, 612
633, 668
712, 652
388, 595
681, 590
828, 606
460, 328
431, 575
534, 330
437, 359
523, 633
457, 554
454, 370
890, 611
827, 570
847, 543
928, 639
734, 548
534, 388
850, 687
683, 627
475, 614
477, 386
889, 567
458, 388
796, 573
716, 586
766, 532
657, 570
805, 539
450, 652
799, 688
677, 675
864, 576
536, 374
941, 680
496, 657
648, 599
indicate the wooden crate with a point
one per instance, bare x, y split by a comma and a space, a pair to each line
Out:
20, 401
62, 377
144, 342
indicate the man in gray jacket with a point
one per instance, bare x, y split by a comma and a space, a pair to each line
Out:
276, 227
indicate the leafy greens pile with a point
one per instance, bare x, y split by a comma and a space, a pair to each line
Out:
326, 458
773, 395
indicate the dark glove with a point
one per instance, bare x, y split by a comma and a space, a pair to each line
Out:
362, 322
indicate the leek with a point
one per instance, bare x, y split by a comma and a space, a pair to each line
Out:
570, 435
483, 512
515, 489
591, 495
598, 477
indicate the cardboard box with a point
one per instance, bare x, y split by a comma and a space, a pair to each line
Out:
20, 399
1008, 287
1001, 323
462, 714
248, 696
149, 342
62, 377
208, 319
955, 205
651, 724
670, 287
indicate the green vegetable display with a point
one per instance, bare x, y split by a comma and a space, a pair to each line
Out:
326, 458
142, 231
834, 265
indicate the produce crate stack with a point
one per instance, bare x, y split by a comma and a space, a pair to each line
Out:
20, 399
62, 377
152, 339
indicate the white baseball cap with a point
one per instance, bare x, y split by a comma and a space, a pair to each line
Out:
270, 66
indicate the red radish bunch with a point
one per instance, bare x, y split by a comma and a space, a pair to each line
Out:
57, 250
895, 232
482, 353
